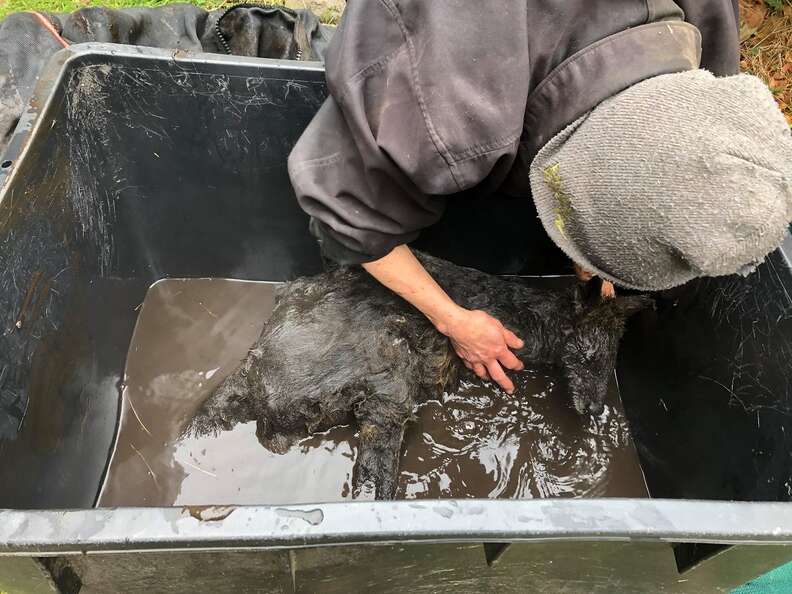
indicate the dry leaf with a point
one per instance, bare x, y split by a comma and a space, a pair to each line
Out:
777, 82
746, 32
754, 16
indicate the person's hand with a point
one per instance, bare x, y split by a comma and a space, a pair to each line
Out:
480, 340
483, 344
607, 290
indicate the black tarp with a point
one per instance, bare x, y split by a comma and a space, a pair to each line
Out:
28, 40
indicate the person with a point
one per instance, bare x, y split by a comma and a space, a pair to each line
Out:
650, 160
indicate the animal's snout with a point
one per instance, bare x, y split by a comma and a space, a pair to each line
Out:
588, 390
588, 403
594, 408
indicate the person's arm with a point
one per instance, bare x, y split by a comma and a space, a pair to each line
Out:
480, 340
413, 117
719, 24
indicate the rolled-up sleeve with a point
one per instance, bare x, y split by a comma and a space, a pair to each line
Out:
719, 24
427, 99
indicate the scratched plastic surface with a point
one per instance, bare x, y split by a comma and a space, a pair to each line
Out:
143, 169
475, 442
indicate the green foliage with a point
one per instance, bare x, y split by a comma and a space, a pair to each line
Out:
9, 6
327, 14
778, 4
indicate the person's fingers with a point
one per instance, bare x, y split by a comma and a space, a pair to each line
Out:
607, 290
480, 371
583, 274
511, 339
499, 376
510, 361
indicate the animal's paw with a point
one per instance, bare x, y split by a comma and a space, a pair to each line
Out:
275, 442
208, 421
366, 489
366, 485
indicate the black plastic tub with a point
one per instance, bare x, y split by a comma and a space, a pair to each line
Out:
131, 165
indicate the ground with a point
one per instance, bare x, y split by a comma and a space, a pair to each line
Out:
327, 10
765, 32
766, 36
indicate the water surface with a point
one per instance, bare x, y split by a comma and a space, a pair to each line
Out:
475, 442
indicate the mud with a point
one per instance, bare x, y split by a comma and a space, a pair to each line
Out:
477, 442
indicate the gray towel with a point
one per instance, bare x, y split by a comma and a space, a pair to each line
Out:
680, 176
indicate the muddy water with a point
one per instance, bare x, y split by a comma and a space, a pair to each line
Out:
476, 442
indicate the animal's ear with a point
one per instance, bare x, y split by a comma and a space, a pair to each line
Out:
587, 295
578, 296
632, 304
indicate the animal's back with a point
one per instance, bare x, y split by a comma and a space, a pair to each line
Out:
342, 328
536, 315
340, 338
340, 332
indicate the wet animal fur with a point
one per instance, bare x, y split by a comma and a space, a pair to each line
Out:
341, 347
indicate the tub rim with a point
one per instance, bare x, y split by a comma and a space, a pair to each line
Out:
46, 532
50, 532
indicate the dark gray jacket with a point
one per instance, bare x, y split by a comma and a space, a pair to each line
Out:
441, 97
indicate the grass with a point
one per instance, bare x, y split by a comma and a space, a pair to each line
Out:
765, 32
9, 6
328, 11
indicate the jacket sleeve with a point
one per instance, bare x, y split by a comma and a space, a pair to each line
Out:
719, 23
426, 99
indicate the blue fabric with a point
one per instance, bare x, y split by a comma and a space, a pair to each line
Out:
777, 581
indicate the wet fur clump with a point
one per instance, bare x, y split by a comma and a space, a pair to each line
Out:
340, 347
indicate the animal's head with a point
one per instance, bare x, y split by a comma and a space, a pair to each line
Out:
590, 350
